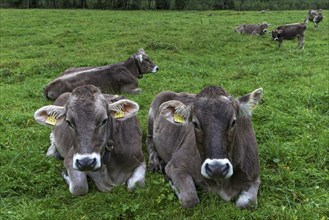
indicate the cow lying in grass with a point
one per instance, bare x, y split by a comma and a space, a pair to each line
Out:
113, 78
253, 29
97, 137
206, 140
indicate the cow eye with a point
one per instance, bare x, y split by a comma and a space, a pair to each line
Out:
71, 125
103, 122
233, 123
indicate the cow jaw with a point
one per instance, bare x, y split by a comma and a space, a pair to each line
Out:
217, 168
155, 69
86, 162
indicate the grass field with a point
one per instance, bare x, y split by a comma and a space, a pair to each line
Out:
192, 49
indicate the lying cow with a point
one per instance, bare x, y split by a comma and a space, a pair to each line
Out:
253, 29
289, 32
206, 140
113, 78
315, 16
96, 138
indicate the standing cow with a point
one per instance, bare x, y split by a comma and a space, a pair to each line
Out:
290, 32
96, 138
113, 78
315, 16
206, 140
253, 29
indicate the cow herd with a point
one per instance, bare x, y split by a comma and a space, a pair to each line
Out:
284, 32
203, 140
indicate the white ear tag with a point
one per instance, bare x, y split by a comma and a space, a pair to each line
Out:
51, 120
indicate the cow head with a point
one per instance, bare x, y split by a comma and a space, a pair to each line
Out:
144, 63
215, 116
264, 27
87, 119
276, 34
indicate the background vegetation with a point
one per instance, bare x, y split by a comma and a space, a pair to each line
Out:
193, 49
170, 4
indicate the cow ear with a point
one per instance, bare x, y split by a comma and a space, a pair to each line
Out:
50, 115
249, 101
141, 51
175, 112
123, 109
279, 31
139, 57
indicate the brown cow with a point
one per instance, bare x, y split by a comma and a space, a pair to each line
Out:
96, 138
113, 78
206, 140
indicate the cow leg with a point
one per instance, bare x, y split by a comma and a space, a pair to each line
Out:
183, 185
52, 149
248, 198
131, 90
153, 163
280, 43
76, 180
301, 42
138, 177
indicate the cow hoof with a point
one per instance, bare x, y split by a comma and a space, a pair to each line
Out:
246, 201
190, 203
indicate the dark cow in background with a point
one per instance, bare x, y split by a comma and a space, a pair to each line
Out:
97, 138
253, 29
113, 78
315, 16
290, 32
206, 140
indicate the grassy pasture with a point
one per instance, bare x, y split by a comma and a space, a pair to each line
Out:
193, 49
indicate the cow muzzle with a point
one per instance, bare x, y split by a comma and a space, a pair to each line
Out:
86, 162
155, 69
217, 168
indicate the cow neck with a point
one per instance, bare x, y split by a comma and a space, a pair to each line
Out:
138, 69
109, 147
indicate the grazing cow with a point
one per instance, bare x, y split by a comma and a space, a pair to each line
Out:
289, 32
113, 78
96, 138
253, 29
206, 140
315, 16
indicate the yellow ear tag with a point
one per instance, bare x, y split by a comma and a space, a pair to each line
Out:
51, 120
179, 119
119, 114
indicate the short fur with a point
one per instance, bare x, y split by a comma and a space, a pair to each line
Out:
81, 129
113, 78
208, 132
290, 32
253, 29
315, 16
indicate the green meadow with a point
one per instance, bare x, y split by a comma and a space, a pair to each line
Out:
193, 49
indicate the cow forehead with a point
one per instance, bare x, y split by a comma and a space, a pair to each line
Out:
221, 107
90, 105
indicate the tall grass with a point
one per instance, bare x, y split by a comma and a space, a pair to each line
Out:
193, 50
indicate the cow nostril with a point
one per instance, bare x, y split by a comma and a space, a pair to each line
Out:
86, 164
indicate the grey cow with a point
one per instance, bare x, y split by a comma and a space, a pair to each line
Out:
315, 16
253, 29
97, 138
113, 78
290, 32
206, 140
